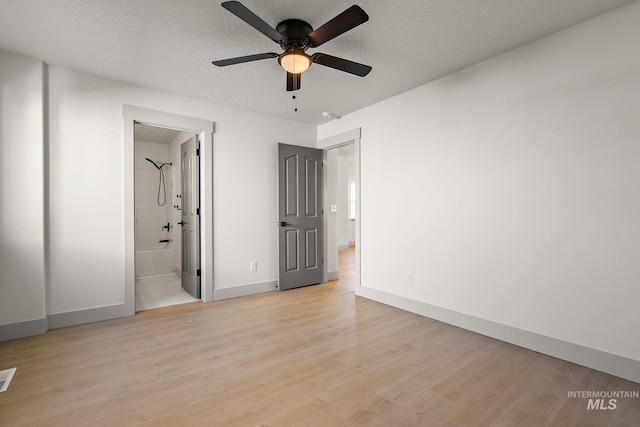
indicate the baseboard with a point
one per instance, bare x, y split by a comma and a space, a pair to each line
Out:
343, 247
98, 314
609, 363
29, 328
332, 275
244, 290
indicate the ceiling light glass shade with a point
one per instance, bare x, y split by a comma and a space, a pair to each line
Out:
295, 62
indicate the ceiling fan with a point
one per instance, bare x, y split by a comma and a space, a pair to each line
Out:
296, 36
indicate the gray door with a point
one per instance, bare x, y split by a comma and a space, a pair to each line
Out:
190, 221
300, 216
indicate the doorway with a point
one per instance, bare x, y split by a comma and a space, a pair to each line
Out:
166, 217
346, 144
204, 130
341, 207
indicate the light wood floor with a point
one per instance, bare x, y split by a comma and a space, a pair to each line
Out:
317, 356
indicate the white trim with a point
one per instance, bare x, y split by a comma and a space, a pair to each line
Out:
339, 140
245, 290
333, 275
610, 363
205, 130
168, 120
349, 137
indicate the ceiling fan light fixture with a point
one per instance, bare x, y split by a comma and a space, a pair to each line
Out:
295, 61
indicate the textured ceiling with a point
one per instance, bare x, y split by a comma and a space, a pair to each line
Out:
169, 44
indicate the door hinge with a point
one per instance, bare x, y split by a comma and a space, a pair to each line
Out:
198, 273
197, 151
197, 211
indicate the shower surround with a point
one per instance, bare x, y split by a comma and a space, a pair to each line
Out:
154, 225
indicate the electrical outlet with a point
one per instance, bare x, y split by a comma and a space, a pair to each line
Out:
253, 266
410, 278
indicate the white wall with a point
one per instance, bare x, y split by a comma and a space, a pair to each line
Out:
22, 261
510, 188
86, 180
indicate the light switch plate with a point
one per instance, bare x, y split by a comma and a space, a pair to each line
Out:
334, 208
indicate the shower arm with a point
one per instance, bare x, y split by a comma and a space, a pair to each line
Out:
156, 164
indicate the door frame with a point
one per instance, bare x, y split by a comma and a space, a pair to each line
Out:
337, 141
205, 130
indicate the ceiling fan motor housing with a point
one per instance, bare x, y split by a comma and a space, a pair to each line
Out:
295, 33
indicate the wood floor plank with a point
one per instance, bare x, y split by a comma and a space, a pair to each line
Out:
316, 356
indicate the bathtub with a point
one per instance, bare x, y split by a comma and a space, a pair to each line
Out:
154, 261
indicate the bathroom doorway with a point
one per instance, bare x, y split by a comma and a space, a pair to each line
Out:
166, 229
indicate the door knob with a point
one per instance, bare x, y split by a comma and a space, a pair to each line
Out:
281, 224
182, 223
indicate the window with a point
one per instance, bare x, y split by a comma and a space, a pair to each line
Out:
352, 200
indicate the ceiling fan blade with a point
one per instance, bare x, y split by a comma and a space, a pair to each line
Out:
342, 23
293, 81
341, 64
252, 19
241, 59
